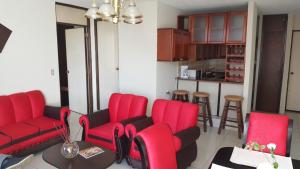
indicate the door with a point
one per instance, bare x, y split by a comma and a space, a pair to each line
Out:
271, 63
76, 59
293, 95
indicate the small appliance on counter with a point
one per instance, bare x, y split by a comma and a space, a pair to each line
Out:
184, 74
195, 74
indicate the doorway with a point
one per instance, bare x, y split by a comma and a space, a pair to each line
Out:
271, 63
293, 93
72, 56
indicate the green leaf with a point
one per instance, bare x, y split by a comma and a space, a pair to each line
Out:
275, 165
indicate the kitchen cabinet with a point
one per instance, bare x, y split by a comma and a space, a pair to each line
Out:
199, 28
236, 27
172, 44
217, 28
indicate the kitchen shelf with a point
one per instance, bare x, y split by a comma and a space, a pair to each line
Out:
235, 63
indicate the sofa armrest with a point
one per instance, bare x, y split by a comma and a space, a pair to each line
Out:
98, 118
133, 128
132, 120
188, 136
58, 113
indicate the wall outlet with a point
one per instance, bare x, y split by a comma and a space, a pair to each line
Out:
52, 72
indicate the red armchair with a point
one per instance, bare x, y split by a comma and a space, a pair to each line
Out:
27, 125
266, 128
182, 119
106, 127
157, 147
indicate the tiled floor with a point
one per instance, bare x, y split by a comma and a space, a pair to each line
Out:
208, 144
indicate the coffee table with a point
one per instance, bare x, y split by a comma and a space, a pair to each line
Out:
54, 157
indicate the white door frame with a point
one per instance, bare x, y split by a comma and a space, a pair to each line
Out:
88, 63
291, 52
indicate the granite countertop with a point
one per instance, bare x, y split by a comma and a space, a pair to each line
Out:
215, 80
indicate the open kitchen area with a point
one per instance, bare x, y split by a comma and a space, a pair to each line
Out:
209, 49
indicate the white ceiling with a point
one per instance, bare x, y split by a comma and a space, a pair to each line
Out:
265, 6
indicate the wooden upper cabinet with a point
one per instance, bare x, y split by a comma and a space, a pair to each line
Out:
172, 44
217, 28
236, 27
199, 28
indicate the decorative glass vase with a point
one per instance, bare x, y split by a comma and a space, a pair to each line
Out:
70, 150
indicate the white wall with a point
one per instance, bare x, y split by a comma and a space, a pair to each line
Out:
166, 71
250, 56
137, 53
107, 53
31, 51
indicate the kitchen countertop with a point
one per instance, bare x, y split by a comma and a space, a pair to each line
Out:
208, 80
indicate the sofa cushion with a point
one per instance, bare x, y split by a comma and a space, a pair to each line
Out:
37, 103
269, 128
45, 124
176, 114
7, 115
124, 106
19, 131
103, 132
22, 106
4, 141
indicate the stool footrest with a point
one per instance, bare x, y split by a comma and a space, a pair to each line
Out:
231, 126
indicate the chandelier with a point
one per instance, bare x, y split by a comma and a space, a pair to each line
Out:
111, 11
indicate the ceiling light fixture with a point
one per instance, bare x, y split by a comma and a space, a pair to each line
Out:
111, 11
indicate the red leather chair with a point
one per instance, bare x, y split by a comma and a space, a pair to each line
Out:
106, 127
157, 147
182, 119
27, 123
265, 128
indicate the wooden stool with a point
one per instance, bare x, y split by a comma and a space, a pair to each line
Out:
202, 98
181, 95
238, 108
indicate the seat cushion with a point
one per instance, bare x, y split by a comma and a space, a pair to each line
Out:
45, 124
4, 141
7, 115
104, 132
22, 106
37, 101
269, 128
19, 131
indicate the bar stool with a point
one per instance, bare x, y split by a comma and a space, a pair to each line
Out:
202, 98
181, 95
238, 109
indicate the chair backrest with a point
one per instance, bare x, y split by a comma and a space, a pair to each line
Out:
124, 106
265, 128
21, 106
178, 115
157, 147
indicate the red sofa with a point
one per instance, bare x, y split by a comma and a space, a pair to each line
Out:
106, 127
157, 147
28, 125
265, 128
182, 119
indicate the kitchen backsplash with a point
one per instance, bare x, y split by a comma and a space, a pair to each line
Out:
215, 65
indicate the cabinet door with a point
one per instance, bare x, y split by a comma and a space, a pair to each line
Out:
217, 28
199, 28
180, 45
236, 28
165, 45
